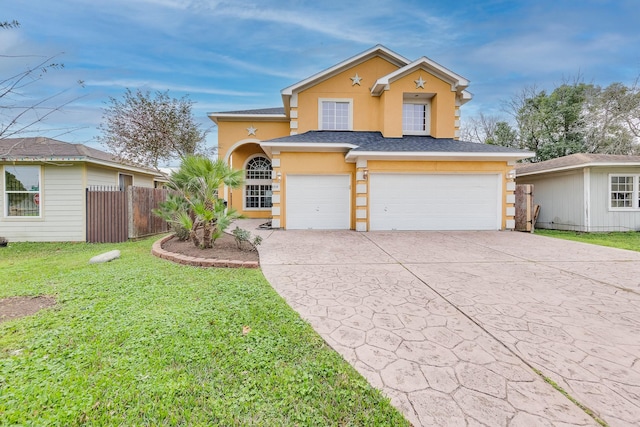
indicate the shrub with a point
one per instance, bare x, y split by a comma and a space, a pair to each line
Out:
176, 212
243, 239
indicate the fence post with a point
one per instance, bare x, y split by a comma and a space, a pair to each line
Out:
524, 208
131, 224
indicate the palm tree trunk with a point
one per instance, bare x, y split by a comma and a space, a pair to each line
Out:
206, 227
193, 235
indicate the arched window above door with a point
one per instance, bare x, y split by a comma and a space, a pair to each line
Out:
258, 168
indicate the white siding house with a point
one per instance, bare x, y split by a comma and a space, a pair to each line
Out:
44, 183
585, 192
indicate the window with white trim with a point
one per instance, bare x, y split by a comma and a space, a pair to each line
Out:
335, 114
124, 181
258, 179
22, 191
624, 192
416, 117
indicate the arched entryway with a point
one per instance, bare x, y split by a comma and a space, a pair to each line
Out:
253, 199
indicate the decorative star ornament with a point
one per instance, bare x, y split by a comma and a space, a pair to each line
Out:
251, 130
420, 83
355, 80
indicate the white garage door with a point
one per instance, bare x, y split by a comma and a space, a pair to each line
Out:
435, 202
321, 202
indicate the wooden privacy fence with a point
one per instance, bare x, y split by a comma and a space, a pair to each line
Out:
142, 221
526, 210
115, 216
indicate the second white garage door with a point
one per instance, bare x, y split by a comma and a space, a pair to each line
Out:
320, 202
435, 202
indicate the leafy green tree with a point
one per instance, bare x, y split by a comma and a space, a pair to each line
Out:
198, 180
503, 135
553, 124
613, 119
145, 128
574, 118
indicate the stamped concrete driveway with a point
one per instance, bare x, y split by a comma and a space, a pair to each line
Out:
451, 325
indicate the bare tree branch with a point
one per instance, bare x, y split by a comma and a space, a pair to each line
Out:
20, 117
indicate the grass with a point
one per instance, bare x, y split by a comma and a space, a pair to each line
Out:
623, 240
142, 341
571, 398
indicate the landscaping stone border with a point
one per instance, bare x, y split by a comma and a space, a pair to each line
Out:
157, 250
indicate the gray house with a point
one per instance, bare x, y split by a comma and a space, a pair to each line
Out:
585, 192
44, 184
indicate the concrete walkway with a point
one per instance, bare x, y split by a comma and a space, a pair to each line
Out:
450, 325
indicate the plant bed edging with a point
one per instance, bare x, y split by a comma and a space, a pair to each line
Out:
157, 250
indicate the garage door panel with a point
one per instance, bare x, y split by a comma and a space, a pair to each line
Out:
434, 202
321, 202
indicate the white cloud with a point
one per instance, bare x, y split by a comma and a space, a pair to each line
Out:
156, 85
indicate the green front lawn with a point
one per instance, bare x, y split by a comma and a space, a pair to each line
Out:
623, 240
142, 341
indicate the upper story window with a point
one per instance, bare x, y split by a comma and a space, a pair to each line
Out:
335, 114
258, 179
416, 117
22, 190
624, 192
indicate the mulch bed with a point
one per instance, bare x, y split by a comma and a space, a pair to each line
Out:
223, 248
14, 307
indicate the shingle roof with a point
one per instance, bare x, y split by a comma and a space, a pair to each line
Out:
374, 141
273, 110
573, 161
46, 147
52, 149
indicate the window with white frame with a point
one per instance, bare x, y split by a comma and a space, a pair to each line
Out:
258, 179
624, 191
335, 114
22, 191
416, 117
124, 181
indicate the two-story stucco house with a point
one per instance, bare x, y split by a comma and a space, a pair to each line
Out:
371, 143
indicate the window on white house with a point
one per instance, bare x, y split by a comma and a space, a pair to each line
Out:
257, 189
624, 191
335, 115
416, 118
22, 190
124, 181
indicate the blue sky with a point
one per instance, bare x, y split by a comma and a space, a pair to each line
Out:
239, 54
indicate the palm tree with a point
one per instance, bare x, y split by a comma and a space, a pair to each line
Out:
199, 179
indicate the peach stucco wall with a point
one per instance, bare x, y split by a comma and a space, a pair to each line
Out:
366, 108
379, 113
233, 133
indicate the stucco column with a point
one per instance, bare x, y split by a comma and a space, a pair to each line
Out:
276, 190
362, 196
510, 199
